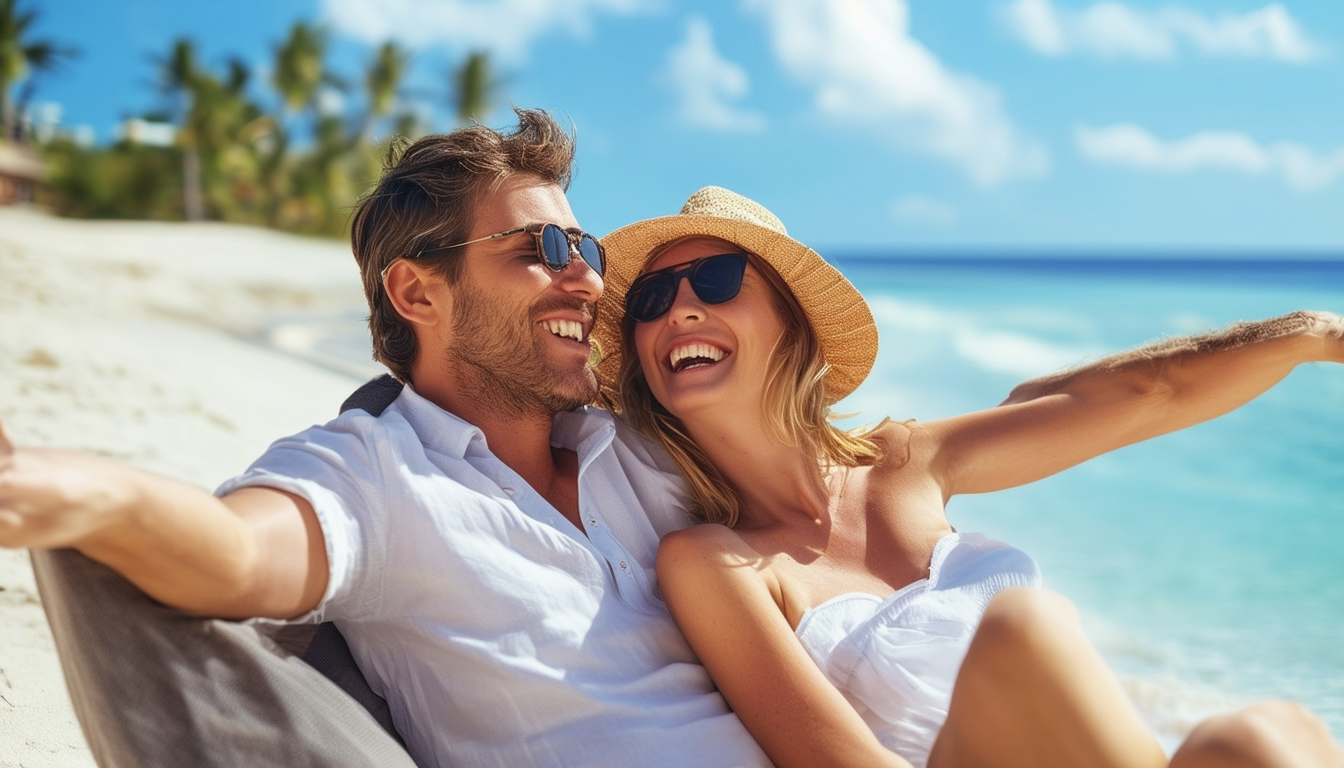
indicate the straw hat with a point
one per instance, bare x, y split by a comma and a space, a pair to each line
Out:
839, 315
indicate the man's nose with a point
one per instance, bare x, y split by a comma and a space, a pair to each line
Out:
579, 276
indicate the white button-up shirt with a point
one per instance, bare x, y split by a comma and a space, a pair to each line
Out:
499, 633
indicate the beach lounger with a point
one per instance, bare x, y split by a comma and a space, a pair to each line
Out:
154, 688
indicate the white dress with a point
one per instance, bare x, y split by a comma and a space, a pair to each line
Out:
896, 659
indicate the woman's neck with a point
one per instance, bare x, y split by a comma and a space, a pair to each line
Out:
775, 482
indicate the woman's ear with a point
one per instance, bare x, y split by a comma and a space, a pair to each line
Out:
417, 293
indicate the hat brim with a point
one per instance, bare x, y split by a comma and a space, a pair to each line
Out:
839, 315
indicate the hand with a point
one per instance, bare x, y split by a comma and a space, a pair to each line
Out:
1330, 327
51, 499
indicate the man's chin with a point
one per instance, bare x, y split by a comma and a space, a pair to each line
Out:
574, 391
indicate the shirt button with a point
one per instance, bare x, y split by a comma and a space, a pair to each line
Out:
592, 521
624, 566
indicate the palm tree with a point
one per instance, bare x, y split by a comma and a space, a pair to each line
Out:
217, 127
473, 89
180, 79
383, 80
227, 126
299, 75
384, 77
299, 70
322, 180
19, 56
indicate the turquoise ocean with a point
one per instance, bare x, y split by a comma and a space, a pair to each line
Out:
1208, 565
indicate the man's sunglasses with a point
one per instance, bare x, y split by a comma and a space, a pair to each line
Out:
553, 245
715, 279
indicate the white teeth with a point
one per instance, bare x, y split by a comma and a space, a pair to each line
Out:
569, 329
695, 350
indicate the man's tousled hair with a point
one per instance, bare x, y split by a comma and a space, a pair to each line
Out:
425, 199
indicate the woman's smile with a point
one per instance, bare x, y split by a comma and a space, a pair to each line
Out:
694, 354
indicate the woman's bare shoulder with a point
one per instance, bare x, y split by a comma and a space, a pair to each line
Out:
705, 543
712, 561
901, 443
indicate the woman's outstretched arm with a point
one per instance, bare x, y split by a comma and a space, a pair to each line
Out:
1055, 422
726, 605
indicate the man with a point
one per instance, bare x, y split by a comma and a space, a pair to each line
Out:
486, 548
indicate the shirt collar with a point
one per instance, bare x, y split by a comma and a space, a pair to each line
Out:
439, 430
585, 431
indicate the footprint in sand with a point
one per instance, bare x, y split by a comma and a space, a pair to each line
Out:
40, 358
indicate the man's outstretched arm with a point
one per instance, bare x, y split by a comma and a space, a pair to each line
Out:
255, 552
1054, 422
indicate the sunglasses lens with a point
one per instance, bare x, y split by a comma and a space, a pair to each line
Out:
592, 253
719, 278
650, 296
554, 247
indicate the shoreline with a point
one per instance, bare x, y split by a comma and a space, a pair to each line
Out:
166, 345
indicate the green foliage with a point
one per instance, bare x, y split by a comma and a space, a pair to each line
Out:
125, 181
473, 88
384, 78
299, 70
293, 167
20, 57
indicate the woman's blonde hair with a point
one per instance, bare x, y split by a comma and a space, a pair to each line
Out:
794, 404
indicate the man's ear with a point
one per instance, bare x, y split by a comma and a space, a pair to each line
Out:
419, 295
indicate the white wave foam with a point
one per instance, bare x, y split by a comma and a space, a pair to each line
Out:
337, 343
1016, 353
910, 316
1172, 707
983, 341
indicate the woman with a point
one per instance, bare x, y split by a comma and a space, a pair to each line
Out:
842, 617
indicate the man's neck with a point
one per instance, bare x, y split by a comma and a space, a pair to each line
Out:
521, 440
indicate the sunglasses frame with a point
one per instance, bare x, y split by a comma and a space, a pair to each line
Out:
573, 238
690, 271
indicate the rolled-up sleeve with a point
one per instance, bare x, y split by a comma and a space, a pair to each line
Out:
334, 468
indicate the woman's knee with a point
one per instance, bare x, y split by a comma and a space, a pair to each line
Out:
1026, 634
1270, 734
1026, 620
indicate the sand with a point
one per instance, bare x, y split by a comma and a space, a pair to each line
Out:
184, 349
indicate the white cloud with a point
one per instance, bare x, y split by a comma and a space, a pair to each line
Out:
506, 28
1132, 146
1114, 30
706, 83
330, 101
868, 70
923, 209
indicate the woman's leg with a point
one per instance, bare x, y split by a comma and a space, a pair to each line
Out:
1271, 734
1033, 692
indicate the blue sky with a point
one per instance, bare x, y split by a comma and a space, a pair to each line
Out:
868, 126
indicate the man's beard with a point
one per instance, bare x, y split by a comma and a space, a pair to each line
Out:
503, 360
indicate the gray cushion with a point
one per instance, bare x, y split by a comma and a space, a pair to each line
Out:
153, 687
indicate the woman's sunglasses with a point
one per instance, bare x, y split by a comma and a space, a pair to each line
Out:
715, 279
553, 245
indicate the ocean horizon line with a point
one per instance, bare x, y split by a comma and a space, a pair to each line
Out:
1182, 269
935, 256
